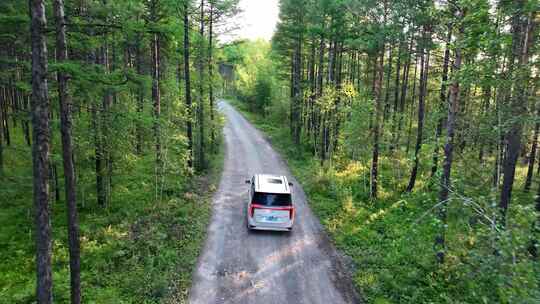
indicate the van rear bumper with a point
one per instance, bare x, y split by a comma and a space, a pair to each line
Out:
287, 226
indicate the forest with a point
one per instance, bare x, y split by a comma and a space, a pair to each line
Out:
109, 144
413, 126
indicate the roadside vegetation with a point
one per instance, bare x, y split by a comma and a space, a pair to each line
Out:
110, 147
400, 119
139, 249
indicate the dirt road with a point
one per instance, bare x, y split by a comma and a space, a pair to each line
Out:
238, 266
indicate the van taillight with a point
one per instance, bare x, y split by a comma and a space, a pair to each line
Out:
291, 213
252, 209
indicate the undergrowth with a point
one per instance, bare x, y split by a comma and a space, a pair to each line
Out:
141, 248
391, 239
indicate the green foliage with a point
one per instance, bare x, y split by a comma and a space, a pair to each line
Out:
142, 243
391, 239
262, 91
256, 81
140, 249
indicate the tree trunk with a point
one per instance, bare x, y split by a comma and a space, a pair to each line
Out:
106, 125
497, 166
67, 155
310, 117
404, 88
189, 129
40, 151
532, 154
56, 184
211, 78
156, 97
520, 45
320, 79
387, 85
2, 97
140, 98
297, 89
446, 182
442, 97
396, 96
4, 114
486, 91
533, 247
413, 98
337, 117
424, 68
26, 128
320, 70
201, 163
376, 124
20, 104
100, 181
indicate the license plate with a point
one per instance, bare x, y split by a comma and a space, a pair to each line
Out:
268, 218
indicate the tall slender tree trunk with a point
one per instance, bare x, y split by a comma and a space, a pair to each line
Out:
446, 182
331, 60
376, 124
5, 122
387, 85
533, 246
402, 100
320, 69
26, 128
201, 163
442, 97
156, 97
189, 128
2, 97
211, 77
67, 155
140, 97
413, 98
14, 96
55, 183
532, 154
337, 117
424, 69
396, 95
319, 90
310, 115
19, 102
486, 92
40, 151
106, 125
98, 147
500, 147
521, 41
297, 89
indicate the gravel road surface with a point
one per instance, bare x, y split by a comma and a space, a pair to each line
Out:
241, 266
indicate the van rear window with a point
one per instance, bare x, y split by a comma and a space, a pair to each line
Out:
272, 199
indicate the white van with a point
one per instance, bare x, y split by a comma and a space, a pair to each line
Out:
270, 205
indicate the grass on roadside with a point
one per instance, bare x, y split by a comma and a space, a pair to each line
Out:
138, 249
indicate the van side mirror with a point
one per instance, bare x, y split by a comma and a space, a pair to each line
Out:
248, 181
290, 184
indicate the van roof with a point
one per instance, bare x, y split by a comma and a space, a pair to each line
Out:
271, 183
